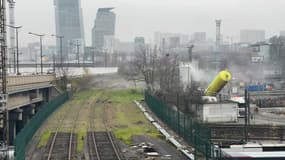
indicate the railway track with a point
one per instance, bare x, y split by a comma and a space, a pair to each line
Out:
64, 145
60, 120
60, 147
92, 147
101, 145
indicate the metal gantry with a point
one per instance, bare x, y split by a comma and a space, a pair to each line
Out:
12, 55
3, 72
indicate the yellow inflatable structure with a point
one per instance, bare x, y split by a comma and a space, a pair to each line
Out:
218, 83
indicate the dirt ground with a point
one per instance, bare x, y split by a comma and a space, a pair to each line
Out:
108, 103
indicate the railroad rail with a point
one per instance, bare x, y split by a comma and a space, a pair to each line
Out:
92, 147
55, 134
63, 145
101, 145
60, 120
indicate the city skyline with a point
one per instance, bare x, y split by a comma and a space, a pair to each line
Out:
165, 16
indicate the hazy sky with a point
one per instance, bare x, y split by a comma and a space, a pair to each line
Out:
143, 17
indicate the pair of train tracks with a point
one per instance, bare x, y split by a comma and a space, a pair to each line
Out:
101, 145
64, 145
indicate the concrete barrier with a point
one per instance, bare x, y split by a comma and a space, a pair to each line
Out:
168, 137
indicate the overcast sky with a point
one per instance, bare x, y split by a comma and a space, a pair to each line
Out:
144, 17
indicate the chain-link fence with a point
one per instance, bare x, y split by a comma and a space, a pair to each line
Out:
26, 134
195, 133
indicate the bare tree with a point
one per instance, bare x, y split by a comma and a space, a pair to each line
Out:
168, 73
130, 72
143, 65
160, 73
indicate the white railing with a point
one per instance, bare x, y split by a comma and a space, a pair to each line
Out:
29, 79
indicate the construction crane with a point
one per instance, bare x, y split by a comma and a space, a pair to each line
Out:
12, 54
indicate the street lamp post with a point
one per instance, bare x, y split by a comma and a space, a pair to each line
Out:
60, 38
190, 78
41, 47
17, 45
77, 46
93, 50
53, 60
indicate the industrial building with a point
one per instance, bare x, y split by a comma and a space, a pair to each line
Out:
252, 36
139, 44
166, 41
199, 37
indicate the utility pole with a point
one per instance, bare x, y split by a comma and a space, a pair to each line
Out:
17, 44
53, 60
60, 46
77, 46
247, 114
41, 47
105, 54
190, 78
36, 63
93, 50
17, 47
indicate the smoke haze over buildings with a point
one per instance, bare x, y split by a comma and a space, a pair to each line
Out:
144, 17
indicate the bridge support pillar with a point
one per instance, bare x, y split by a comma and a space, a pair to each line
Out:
16, 116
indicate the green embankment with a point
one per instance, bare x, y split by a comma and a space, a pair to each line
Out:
44, 138
129, 120
120, 113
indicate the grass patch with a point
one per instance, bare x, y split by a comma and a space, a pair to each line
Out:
44, 139
125, 134
129, 119
81, 135
124, 96
80, 96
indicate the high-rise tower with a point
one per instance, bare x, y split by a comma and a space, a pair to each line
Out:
69, 23
104, 27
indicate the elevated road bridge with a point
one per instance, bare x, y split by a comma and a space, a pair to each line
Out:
25, 95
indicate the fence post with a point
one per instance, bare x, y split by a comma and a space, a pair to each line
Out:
195, 147
178, 114
184, 132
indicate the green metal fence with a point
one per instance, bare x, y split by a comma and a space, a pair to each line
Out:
195, 133
26, 134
